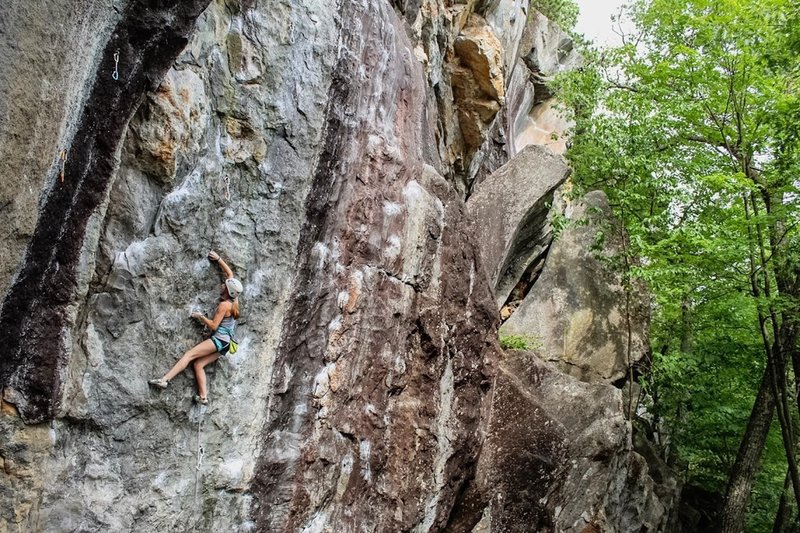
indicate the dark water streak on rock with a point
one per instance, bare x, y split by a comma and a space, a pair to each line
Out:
147, 39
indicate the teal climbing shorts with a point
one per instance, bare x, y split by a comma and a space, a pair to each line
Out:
222, 346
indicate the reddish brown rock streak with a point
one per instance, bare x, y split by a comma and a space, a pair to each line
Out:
380, 377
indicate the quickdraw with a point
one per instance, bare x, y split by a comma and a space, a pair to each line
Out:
63, 157
115, 75
200, 453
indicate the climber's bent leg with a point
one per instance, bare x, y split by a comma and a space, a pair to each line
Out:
200, 374
204, 348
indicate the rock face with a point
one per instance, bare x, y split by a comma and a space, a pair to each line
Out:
36, 306
478, 83
558, 457
578, 312
559, 452
531, 115
42, 88
388, 308
510, 209
326, 150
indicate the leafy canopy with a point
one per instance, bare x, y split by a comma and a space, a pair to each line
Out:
697, 112
562, 12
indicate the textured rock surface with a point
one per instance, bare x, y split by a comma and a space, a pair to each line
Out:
547, 50
546, 126
478, 80
510, 210
508, 19
42, 88
318, 146
578, 310
379, 376
558, 457
151, 274
531, 115
39, 305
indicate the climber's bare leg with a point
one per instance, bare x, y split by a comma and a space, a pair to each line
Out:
200, 374
201, 350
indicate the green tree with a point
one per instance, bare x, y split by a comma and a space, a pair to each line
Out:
562, 12
691, 127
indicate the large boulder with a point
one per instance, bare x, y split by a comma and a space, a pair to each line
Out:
510, 210
579, 312
558, 457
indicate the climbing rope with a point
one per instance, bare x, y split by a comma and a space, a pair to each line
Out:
200, 453
115, 75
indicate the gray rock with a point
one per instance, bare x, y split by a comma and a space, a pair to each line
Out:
508, 19
317, 146
547, 49
169, 125
43, 82
558, 457
531, 115
510, 211
41, 303
152, 273
578, 312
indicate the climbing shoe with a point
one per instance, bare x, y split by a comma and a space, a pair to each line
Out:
199, 399
160, 383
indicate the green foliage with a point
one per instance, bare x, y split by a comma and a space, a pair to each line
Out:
562, 12
519, 342
695, 115
766, 494
559, 222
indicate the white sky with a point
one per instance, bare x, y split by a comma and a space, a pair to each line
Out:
594, 20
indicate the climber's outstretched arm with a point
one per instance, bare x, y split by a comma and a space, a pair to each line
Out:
223, 309
214, 256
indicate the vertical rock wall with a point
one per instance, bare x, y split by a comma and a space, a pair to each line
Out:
378, 379
40, 304
43, 84
325, 149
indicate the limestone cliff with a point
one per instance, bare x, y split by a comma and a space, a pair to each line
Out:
375, 173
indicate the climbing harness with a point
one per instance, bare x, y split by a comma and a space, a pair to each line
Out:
233, 344
115, 75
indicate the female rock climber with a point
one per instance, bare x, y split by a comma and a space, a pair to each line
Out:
222, 325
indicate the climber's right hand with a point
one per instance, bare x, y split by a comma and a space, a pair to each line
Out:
213, 256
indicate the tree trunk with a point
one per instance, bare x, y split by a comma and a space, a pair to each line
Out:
783, 339
744, 469
784, 514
